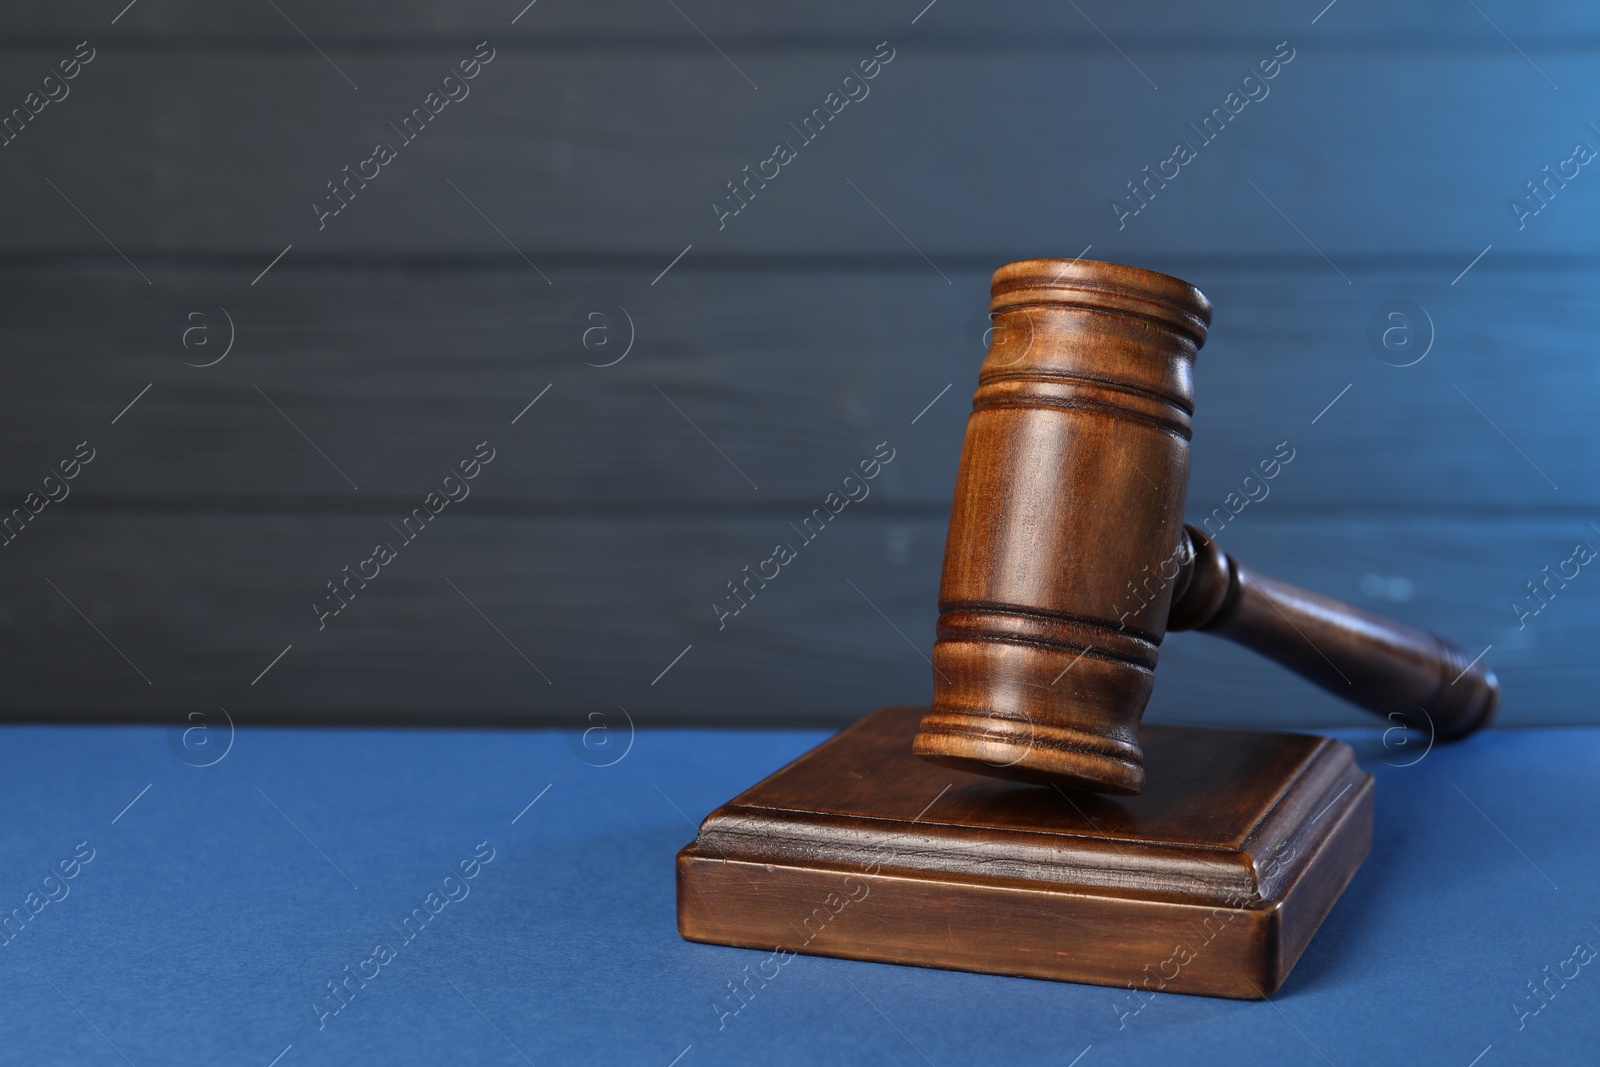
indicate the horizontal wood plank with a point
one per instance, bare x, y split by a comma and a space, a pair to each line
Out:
351, 24
469, 621
785, 377
585, 150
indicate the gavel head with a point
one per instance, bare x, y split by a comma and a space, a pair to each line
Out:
1067, 525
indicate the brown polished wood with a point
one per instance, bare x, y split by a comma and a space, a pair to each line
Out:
1414, 677
1071, 490
1211, 881
1072, 481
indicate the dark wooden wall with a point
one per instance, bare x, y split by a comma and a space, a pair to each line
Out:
777, 351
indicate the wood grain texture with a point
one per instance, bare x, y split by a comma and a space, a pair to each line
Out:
1066, 552
1236, 854
586, 151
1072, 479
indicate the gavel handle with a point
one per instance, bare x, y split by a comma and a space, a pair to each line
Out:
1410, 676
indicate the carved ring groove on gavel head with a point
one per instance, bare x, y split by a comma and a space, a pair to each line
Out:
1072, 483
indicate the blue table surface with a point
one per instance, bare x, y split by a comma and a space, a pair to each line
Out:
220, 902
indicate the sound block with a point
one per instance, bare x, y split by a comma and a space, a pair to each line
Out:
1211, 881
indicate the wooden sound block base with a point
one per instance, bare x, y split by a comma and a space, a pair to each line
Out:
1211, 881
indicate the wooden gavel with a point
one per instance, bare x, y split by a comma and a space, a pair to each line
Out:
1071, 488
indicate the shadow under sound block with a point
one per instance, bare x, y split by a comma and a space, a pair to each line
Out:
1212, 881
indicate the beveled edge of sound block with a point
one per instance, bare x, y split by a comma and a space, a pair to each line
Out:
1211, 882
